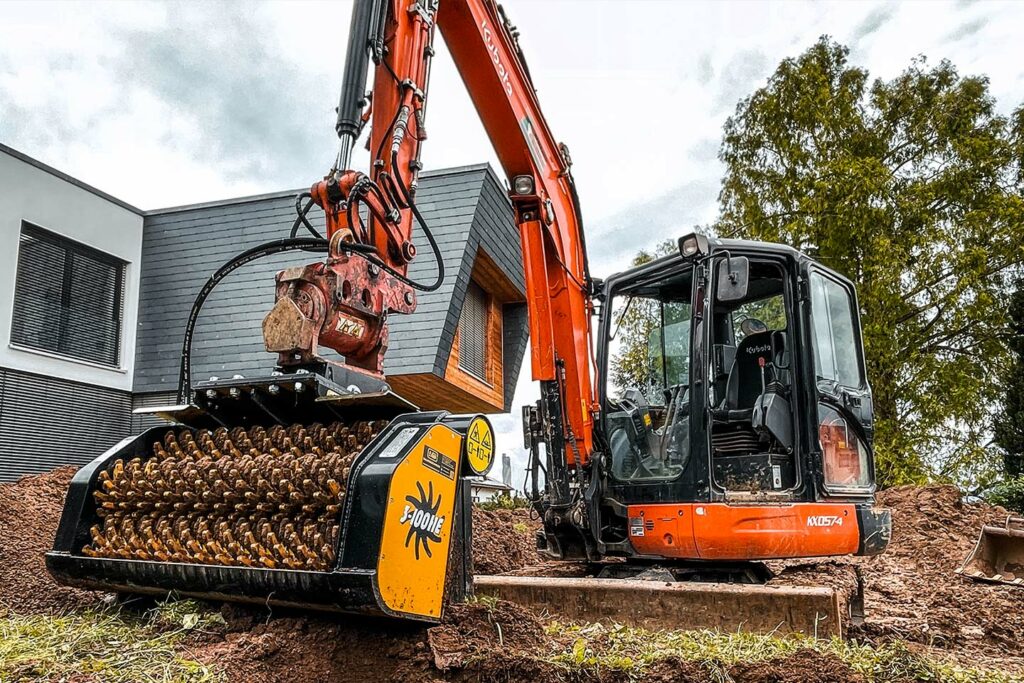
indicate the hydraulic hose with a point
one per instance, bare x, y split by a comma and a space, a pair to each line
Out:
300, 216
247, 256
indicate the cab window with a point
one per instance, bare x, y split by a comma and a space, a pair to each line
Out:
647, 422
836, 355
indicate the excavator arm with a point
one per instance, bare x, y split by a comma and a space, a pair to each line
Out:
370, 216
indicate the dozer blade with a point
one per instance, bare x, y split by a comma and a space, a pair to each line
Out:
360, 516
998, 556
814, 611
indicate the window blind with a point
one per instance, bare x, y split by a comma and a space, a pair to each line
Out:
473, 332
68, 298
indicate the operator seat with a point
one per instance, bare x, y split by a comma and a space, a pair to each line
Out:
755, 366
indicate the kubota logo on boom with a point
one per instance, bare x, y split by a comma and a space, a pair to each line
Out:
824, 520
496, 58
421, 516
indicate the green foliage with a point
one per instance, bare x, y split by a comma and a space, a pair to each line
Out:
1009, 493
505, 501
912, 188
1008, 424
636, 319
598, 648
104, 645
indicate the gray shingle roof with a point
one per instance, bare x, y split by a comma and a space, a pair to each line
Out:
466, 208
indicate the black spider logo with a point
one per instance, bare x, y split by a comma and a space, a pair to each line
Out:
423, 521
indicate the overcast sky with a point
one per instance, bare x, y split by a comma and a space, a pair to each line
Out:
171, 103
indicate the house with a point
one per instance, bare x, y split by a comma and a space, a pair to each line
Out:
485, 489
96, 293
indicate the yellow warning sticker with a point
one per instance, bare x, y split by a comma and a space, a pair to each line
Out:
480, 446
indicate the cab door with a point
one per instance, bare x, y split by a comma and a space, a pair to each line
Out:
844, 406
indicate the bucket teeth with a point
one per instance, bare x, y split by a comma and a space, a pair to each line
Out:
242, 497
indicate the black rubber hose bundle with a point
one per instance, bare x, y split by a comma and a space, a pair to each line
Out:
266, 249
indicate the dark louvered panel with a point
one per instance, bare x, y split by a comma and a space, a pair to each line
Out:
473, 332
141, 423
68, 299
47, 422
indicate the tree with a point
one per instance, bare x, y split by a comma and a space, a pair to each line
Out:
912, 188
633, 322
1008, 425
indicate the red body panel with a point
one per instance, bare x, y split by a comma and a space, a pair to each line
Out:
719, 531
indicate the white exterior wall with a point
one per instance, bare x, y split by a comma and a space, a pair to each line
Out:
483, 494
32, 194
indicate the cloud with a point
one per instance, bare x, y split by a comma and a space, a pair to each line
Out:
43, 125
237, 101
705, 150
967, 30
612, 243
872, 22
739, 78
705, 69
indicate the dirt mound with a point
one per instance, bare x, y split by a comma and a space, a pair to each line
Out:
253, 646
292, 647
911, 590
29, 512
803, 666
503, 540
911, 594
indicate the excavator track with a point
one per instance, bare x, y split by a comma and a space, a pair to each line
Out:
255, 498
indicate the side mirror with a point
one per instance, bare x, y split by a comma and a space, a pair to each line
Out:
733, 278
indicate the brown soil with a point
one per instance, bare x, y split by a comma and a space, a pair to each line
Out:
911, 594
29, 512
803, 666
911, 591
503, 541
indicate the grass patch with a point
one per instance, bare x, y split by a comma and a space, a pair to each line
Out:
596, 647
104, 644
505, 501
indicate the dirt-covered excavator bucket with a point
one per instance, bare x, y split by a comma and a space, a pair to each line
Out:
998, 555
353, 509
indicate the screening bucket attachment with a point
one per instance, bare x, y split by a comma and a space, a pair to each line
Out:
360, 516
998, 555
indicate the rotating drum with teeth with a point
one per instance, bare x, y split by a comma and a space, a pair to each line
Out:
253, 498
362, 516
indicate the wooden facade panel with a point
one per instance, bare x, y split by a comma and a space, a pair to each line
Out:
430, 392
489, 389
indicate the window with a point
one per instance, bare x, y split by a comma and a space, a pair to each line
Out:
68, 298
836, 354
648, 419
473, 332
668, 350
760, 315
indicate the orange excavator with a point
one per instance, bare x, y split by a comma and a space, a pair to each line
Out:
697, 414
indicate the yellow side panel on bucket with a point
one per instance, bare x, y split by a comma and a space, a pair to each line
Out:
418, 525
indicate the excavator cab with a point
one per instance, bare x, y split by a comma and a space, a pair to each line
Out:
735, 412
